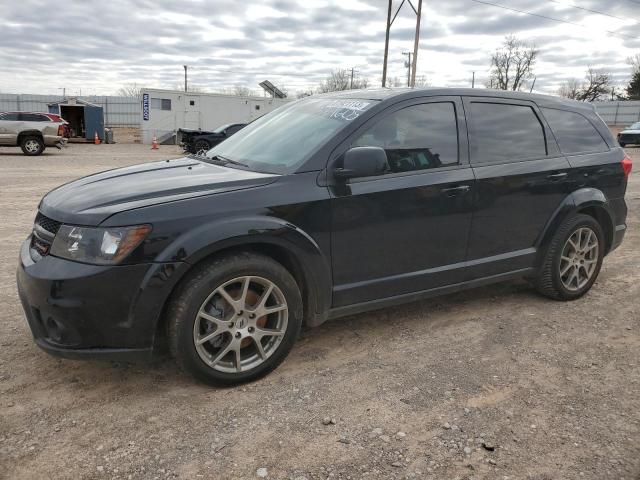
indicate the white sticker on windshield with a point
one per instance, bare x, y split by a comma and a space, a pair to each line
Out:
345, 109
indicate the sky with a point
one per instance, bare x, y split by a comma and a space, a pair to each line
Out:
94, 48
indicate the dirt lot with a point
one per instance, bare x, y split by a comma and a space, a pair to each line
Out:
493, 383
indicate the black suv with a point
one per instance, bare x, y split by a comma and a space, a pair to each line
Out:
328, 206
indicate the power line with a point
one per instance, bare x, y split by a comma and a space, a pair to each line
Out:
615, 34
591, 11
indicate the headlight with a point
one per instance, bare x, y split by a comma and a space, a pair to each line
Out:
101, 246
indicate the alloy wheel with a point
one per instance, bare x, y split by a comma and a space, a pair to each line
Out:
579, 259
31, 146
240, 324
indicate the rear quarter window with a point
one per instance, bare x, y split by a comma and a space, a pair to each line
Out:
574, 132
503, 132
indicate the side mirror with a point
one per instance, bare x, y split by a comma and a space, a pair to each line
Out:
363, 162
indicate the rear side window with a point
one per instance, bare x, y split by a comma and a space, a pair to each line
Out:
32, 117
10, 116
575, 134
233, 129
505, 133
416, 138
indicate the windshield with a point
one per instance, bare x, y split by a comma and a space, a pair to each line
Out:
635, 126
222, 128
282, 140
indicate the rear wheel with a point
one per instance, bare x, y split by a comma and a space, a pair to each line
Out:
235, 319
32, 145
573, 259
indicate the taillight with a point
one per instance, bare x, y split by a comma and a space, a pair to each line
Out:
626, 166
61, 130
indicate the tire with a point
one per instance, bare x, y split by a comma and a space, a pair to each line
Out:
557, 278
32, 145
201, 147
200, 310
622, 144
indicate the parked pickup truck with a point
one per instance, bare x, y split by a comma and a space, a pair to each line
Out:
32, 132
199, 142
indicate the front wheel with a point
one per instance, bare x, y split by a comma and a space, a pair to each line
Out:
573, 259
235, 319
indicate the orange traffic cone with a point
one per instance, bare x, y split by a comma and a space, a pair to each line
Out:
154, 143
96, 139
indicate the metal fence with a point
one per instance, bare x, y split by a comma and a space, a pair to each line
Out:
619, 112
118, 111
126, 111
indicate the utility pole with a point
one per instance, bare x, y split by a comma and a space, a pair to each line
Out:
473, 80
408, 65
386, 46
351, 83
64, 91
390, 19
185, 78
533, 84
416, 40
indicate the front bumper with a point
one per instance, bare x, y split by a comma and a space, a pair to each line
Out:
77, 310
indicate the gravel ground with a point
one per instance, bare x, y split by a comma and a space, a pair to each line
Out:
492, 383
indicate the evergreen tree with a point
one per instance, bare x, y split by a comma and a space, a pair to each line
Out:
633, 89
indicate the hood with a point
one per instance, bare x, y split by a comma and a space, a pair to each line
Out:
91, 200
633, 131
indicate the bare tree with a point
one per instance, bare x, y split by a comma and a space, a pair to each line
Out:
241, 91
129, 90
341, 80
421, 81
305, 93
596, 86
570, 89
634, 62
512, 65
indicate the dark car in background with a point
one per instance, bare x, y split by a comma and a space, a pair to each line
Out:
328, 206
630, 135
198, 142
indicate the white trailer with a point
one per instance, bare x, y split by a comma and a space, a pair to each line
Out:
166, 111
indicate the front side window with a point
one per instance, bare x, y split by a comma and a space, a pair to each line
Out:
283, 139
419, 137
503, 132
575, 134
161, 103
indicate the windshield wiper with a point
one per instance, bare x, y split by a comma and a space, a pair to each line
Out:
228, 160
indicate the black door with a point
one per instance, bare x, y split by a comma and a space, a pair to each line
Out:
521, 179
405, 231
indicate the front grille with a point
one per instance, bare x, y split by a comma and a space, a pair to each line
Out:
44, 231
51, 226
40, 246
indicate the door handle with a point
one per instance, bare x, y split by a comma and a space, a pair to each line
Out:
557, 176
453, 191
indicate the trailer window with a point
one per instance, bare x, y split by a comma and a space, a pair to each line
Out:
161, 103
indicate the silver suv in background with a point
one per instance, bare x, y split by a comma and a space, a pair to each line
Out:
32, 132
